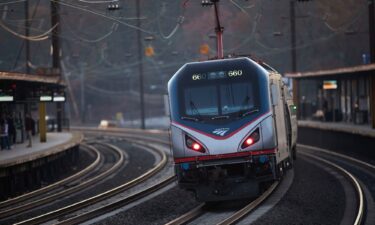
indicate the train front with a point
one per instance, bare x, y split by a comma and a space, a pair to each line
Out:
222, 132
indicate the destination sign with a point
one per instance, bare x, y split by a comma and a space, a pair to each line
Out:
217, 75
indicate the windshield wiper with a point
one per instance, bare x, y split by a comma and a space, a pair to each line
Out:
194, 108
190, 118
219, 117
245, 102
248, 112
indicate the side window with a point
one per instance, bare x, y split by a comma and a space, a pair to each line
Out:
287, 94
275, 94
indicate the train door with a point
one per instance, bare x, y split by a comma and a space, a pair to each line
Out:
279, 118
287, 118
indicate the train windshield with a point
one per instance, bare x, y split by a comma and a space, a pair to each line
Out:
225, 100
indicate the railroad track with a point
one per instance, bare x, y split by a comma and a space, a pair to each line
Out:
56, 215
356, 170
237, 216
354, 181
44, 195
65, 216
59, 184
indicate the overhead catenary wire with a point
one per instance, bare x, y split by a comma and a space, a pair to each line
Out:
180, 21
12, 2
101, 38
239, 7
40, 37
102, 15
98, 1
335, 32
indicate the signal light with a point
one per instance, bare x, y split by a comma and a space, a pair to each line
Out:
149, 51
204, 49
194, 145
251, 139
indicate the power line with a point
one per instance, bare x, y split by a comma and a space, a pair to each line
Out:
104, 16
40, 37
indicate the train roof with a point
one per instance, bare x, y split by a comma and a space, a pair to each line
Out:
233, 60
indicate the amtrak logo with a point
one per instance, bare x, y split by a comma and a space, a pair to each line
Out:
220, 131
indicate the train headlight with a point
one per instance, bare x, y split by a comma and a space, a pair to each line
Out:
194, 145
251, 139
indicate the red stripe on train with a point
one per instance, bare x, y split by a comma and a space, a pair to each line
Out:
224, 156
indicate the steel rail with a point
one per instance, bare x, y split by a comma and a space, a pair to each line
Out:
117, 204
38, 202
354, 181
250, 207
194, 213
313, 148
45, 189
123, 135
247, 209
97, 198
199, 210
122, 130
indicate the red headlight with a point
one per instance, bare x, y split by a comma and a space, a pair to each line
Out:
251, 139
194, 145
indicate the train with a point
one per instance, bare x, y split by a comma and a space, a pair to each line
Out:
233, 128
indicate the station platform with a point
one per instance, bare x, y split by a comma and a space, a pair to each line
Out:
56, 142
355, 129
24, 169
351, 139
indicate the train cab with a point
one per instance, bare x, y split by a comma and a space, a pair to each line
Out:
225, 134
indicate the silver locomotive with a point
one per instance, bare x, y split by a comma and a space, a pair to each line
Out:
233, 127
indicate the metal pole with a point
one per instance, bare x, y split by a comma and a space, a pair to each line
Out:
371, 30
219, 33
293, 36
27, 32
140, 60
82, 94
42, 122
292, 18
372, 58
56, 55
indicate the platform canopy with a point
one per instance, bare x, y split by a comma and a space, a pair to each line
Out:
20, 87
44, 79
334, 72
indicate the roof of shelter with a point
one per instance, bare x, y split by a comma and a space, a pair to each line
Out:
47, 79
338, 71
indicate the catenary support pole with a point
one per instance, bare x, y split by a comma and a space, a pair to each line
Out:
56, 55
140, 68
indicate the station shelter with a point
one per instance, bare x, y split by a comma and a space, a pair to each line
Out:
27, 93
345, 95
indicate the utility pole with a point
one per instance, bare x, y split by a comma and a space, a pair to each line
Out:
140, 68
371, 30
27, 32
371, 23
293, 35
56, 55
83, 104
292, 17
